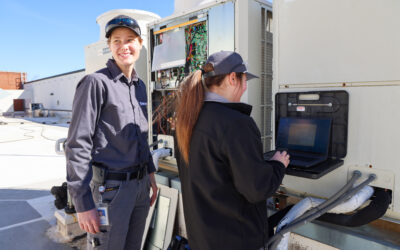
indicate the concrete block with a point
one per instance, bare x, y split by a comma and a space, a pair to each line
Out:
67, 225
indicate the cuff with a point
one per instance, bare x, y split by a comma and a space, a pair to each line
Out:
150, 166
83, 202
277, 163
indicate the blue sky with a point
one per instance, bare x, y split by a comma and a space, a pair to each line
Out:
45, 38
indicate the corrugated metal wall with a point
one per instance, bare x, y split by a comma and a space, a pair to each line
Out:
266, 80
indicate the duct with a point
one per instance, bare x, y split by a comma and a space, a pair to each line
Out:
354, 202
160, 153
274, 241
304, 205
375, 210
355, 176
302, 209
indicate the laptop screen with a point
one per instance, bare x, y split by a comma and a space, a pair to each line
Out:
304, 134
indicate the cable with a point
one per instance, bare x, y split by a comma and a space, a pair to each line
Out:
28, 136
274, 241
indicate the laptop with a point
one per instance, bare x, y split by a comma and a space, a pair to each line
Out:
306, 140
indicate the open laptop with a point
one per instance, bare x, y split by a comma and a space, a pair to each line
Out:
306, 139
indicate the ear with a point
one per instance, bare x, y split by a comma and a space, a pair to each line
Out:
140, 40
232, 78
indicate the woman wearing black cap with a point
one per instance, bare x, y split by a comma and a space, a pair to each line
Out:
225, 180
109, 165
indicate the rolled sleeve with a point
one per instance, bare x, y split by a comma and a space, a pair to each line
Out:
85, 114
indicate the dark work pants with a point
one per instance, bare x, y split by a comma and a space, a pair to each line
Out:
128, 207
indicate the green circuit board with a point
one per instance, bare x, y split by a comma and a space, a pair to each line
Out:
196, 45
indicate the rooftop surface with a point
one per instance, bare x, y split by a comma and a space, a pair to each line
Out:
29, 168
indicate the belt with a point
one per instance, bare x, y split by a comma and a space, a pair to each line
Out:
118, 176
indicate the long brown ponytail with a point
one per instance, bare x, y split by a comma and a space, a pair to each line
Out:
190, 101
189, 104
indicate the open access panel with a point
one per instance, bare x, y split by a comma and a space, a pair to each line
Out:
333, 105
180, 44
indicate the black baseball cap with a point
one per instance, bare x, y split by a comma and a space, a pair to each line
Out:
225, 62
122, 21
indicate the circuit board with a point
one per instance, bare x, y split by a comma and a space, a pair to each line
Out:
196, 46
167, 81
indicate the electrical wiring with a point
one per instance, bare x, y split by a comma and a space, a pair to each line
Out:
168, 80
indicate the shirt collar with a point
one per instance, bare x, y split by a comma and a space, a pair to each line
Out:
214, 97
239, 106
116, 72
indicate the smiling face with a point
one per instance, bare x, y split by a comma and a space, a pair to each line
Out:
125, 46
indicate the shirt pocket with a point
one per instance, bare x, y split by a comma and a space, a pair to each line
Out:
113, 117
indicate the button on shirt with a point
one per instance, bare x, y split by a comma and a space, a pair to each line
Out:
109, 127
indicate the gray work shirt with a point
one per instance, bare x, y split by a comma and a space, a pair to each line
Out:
214, 97
109, 127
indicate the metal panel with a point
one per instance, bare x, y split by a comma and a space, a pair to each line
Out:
324, 41
248, 41
171, 53
358, 51
364, 237
157, 238
266, 80
221, 20
164, 219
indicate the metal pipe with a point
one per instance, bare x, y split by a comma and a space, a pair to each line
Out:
56, 110
155, 143
311, 104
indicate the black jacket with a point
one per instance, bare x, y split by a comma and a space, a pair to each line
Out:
227, 182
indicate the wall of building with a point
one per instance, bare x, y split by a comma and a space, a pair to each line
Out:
7, 99
12, 80
56, 92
